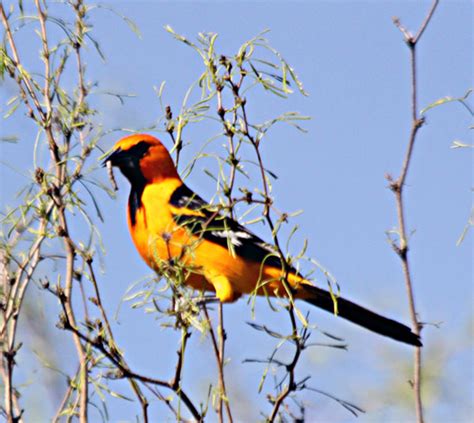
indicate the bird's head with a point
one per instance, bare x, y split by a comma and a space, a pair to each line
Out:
142, 158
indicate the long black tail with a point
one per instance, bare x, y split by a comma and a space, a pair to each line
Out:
360, 316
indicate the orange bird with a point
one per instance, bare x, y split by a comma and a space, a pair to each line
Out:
169, 223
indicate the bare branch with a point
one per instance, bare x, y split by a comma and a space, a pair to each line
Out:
397, 187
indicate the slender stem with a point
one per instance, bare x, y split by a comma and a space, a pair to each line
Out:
397, 187
179, 365
84, 380
23, 79
291, 386
222, 338
8, 353
11, 401
218, 346
65, 399
427, 20
47, 65
24, 274
230, 137
14, 301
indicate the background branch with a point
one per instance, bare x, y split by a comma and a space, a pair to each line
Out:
397, 187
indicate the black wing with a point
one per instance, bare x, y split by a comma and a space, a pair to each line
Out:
219, 229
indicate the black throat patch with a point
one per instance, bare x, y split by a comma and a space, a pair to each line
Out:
135, 201
128, 162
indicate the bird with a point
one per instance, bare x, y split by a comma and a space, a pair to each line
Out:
169, 223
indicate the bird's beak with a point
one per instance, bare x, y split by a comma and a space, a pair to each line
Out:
115, 158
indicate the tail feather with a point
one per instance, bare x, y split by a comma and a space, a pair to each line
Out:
360, 315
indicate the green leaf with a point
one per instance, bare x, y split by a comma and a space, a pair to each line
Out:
131, 24
97, 47
11, 111
449, 99
184, 40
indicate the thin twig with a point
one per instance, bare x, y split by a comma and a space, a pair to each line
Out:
426, 21
98, 302
397, 187
67, 395
21, 79
179, 365
222, 336
217, 344
290, 368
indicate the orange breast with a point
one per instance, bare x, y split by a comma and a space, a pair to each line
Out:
156, 236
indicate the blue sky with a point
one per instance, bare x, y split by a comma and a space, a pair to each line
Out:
354, 65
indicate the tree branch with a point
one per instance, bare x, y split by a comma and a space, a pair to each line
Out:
397, 187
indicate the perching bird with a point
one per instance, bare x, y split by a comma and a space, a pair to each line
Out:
169, 222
